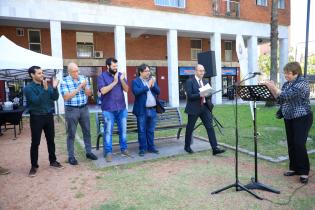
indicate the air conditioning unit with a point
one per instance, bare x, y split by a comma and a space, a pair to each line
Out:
98, 54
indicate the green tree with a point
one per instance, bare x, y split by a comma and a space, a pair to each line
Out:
264, 61
264, 64
311, 64
274, 41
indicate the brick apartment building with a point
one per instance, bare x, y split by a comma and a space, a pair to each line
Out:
166, 34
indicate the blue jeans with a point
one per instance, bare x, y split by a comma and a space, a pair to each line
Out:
120, 117
146, 125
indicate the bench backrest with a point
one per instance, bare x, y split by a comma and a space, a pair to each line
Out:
171, 118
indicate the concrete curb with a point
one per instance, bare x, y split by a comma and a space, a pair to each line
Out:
260, 156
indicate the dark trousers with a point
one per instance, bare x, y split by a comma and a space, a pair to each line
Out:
73, 116
39, 123
206, 119
297, 131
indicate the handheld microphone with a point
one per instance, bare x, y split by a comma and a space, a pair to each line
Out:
255, 73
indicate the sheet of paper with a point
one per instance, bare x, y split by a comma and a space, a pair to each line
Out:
205, 90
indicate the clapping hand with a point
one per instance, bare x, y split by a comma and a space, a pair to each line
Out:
55, 82
83, 84
122, 76
45, 84
151, 82
116, 78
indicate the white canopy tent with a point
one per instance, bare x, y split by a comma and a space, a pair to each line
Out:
15, 61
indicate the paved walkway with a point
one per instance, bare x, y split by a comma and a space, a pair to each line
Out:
167, 147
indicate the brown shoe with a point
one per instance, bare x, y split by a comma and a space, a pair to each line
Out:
125, 153
4, 171
109, 157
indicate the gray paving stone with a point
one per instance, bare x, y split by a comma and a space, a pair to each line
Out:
167, 147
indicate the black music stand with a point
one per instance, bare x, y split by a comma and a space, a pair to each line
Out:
237, 185
256, 93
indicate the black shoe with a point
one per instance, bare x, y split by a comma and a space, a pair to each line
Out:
189, 150
32, 172
91, 156
289, 173
217, 150
56, 165
4, 171
141, 153
73, 161
155, 151
304, 179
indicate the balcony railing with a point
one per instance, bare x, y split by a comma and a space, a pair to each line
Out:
226, 8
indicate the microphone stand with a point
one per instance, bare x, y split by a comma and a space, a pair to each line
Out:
237, 184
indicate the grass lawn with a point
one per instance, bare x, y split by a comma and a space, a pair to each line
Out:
186, 181
271, 140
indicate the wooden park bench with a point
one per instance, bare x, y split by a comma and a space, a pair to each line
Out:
170, 119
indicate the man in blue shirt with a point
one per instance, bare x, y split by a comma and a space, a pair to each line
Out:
75, 91
40, 99
145, 91
112, 85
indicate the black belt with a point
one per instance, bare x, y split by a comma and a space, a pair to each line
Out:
78, 107
152, 107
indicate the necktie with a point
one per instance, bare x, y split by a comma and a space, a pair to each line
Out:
202, 99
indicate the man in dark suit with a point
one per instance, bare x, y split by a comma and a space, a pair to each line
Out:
145, 91
199, 106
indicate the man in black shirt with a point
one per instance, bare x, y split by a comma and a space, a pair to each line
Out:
40, 99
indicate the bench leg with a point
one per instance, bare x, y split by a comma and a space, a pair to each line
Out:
14, 133
98, 141
178, 132
19, 129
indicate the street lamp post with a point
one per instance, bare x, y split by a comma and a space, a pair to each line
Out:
306, 39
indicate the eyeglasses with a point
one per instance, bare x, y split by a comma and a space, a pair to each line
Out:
288, 73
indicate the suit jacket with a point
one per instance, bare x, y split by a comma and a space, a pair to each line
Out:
193, 105
140, 90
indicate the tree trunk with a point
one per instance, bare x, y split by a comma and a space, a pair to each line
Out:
274, 41
274, 44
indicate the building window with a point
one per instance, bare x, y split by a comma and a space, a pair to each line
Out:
228, 51
261, 2
85, 46
196, 47
34, 40
171, 3
19, 32
281, 4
